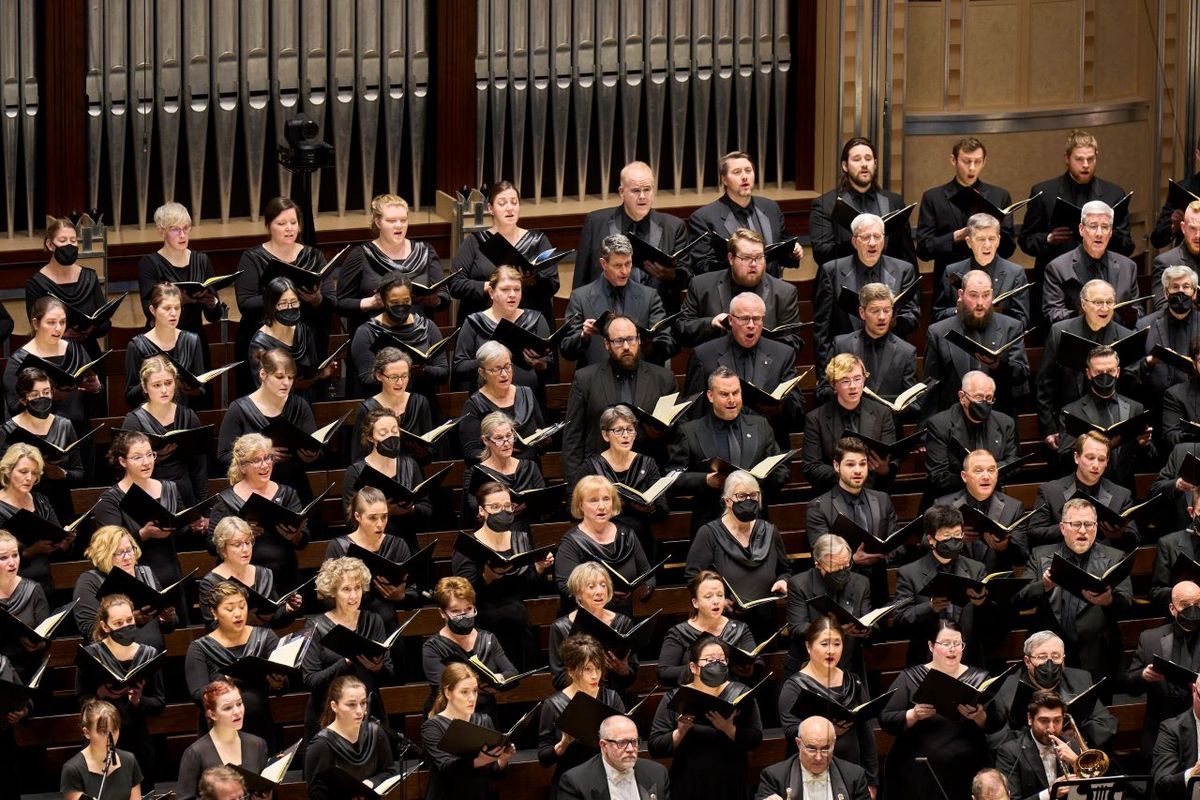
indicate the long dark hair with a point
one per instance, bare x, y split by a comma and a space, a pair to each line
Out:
844, 175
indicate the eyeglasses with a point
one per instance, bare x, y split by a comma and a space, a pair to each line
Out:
1098, 227
179, 230
503, 369
496, 508
857, 380
714, 660
624, 341
622, 744
261, 461
1080, 525
393, 379
1102, 303
622, 431
239, 544
958, 538
743, 496
126, 553
1057, 658
759, 259
952, 646
502, 439
817, 751
287, 304
142, 458
981, 398
870, 238
748, 319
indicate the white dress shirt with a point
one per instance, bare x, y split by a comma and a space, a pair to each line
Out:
621, 785
816, 787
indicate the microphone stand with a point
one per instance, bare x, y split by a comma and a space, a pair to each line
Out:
932, 774
109, 757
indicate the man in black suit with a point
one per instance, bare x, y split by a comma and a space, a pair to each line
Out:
1040, 755
826, 424
1178, 641
870, 509
976, 320
981, 478
832, 574
613, 292
1175, 326
983, 242
709, 295
1174, 487
814, 772
622, 377
1091, 461
858, 186
1167, 228
1176, 759
1186, 253
735, 209
868, 264
1093, 259
1086, 622
635, 216
741, 439
617, 773
1181, 404
1184, 542
970, 424
942, 227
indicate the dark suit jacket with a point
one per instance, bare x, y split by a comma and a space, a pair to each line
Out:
719, 218
895, 369
1021, 765
642, 305
1176, 255
947, 363
1005, 276
824, 509
709, 295
1038, 213
1123, 460
1180, 403
830, 240
823, 428
1164, 483
667, 232
939, 219
846, 780
1067, 274
588, 781
942, 462
830, 319
1157, 379
1006, 510
593, 391
774, 363
1162, 236
1174, 752
1058, 385
1167, 549
803, 586
1099, 727
1163, 698
1043, 525
915, 612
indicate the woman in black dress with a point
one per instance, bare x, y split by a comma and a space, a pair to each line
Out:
24, 599
531, 367
234, 638
709, 757
497, 436
746, 551
62, 277
392, 369
597, 537
252, 465
282, 220
165, 336
379, 435
390, 253
583, 657
341, 583
233, 539
467, 285
112, 547
10, 754
226, 741
37, 425
591, 589
115, 644
824, 640
708, 619
21, 469
498, 393
348, 740
955, 749
398, 325
459, 777
83, 772
284, 328
159, 415
500, 589
272, 400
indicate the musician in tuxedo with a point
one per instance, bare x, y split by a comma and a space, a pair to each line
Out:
1176, 759
614, 291
943, 227
984, 243
617, 773
623, 376
1181, 404
867, 264
1087, 622
971, 423
1174, 487
742, 439
1041, 754
870, 509
1178, 641
833, 575
1057, 385
981, 477
635, 216
826, 424
858, 186
755, 359
738, 208
1186, 252
1168, 549
1093, 259
814, 772
1092, 452
709, 295
1175, 326
890, 362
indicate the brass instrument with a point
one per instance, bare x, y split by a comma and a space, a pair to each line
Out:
1090, 763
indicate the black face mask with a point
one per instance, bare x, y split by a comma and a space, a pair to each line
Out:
124, 636
461, 625
979, 410
398, 312
39, 407
389, 447
714, 673
1104, 384
838, 579
1188, 619
288, 316
1047, 674
66, 254
499, 522
948, 548
745, 510
1180, 303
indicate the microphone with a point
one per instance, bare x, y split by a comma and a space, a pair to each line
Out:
938, 783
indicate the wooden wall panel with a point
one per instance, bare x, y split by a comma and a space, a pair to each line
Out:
1054, 41
992, 75
926, 63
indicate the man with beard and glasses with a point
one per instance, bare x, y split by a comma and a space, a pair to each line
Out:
622, 378
1175, 326
832, 575
981, 478
1103, 407
1170, 547
983, 242
1092, 452
978, 321
846, 414
1186, 253
1179, 641
1045, 670
858, 186
1093, 259
970, 424
1086, 622
1034, 760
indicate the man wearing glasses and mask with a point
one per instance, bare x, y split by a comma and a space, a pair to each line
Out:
813, 772
972, 424
617, 773
1178, 641
833, 575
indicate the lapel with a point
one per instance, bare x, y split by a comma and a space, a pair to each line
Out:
1104, 495
876, 514
845, 277
837, 506
605, 385
1033, 760
728, 221
725, 289
644, 394
656, 229
614, 221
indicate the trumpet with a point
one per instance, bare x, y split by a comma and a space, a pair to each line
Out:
1091, 762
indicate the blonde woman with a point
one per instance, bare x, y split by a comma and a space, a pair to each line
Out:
21, 469
113, 547
498, 435
24, 599
164, 336
233, 539
505, 292
591, 590
176, 262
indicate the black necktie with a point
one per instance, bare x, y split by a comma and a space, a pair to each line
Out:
735, 443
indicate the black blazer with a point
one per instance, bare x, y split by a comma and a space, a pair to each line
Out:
942, 463
1167, 549
830, 240
1005, 509
1123, 459
939, 218
947, 363
718, 217
1176, 255
1162, 235
824, 509
710, 294
1180, 403
589, 781
846, 780
774, 363
1005, 276
1038, 213
1058, 385
642, 305
1018, 760
1043, 525
667, 232
822, 429
916, 611
1157, 379
895, 369
1099, 726
1163, 698
1066, 275
1164, 483
830, 319
1174, 752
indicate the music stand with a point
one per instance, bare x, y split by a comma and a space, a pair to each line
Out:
1106, 787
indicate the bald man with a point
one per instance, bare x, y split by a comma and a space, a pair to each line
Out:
1178, 641
814, 772
989, 785
617, 772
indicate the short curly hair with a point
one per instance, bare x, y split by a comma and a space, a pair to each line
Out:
333, 570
